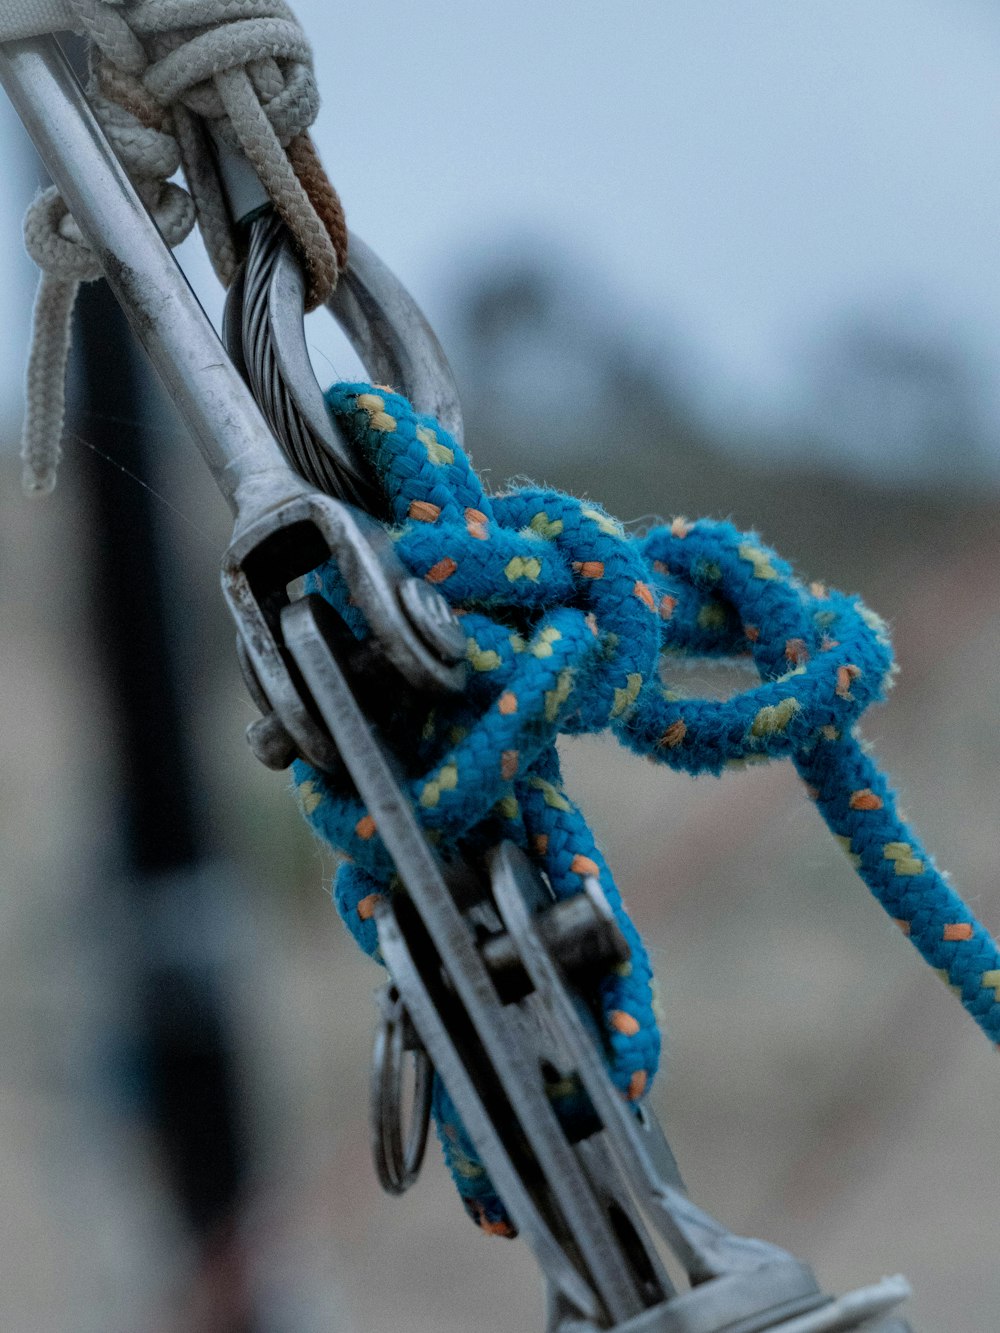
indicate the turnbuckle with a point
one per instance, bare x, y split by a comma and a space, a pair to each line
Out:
589, 1182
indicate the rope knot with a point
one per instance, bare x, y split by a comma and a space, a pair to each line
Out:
574, 625
161, 71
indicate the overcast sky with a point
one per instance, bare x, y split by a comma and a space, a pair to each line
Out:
738, 171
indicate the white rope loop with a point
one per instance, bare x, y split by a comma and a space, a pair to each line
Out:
161, 71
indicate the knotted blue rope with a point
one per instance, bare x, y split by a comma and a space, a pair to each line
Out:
571, 627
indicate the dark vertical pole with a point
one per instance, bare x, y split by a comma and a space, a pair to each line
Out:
184, 1050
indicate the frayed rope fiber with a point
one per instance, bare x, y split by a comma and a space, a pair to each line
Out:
571, 627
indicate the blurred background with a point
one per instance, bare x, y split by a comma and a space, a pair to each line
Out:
734, 259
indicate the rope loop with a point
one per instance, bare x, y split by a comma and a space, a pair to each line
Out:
573, 625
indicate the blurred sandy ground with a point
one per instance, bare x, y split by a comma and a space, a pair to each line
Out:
822, 1089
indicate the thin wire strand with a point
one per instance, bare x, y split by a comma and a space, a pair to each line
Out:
157, 495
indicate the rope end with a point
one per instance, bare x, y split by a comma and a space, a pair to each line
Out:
36, 482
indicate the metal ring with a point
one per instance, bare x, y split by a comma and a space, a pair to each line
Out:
397, 1157
264, 334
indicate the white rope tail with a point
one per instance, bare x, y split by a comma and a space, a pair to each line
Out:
54, 243
45, 410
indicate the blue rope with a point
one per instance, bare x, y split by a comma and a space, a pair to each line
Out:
571, 627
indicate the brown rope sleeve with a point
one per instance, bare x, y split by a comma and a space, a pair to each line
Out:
322, 195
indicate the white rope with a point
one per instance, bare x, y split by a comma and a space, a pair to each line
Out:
32, 18
162, 70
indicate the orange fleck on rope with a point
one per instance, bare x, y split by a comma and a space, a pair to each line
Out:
583, 865
865, 800
441, 571
424, 512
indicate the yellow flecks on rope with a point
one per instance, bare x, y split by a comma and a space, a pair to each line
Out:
627, 694
507, 703
874, 622
957, 931
942, 972
644, 594
366, 907
427, 730
623, 969
422, 511
865, 799
796, 651
552, 796
309, 797
508, 807
475, 524
667, 605
624, 1023
761, 561
378, 417
712, 616
365, 828
438, 453
546, 527
465, 1166
656, 1002
673, 735
457, 735
540, 842
991, 981
680, 527
441, 571
541, 645
818, 590
523, 567
446, 780
852, 856
557, 696
583, 865
901, 854
482, 659
607, 525
509, 760
589, 569
517, 643
830, 732
775, 717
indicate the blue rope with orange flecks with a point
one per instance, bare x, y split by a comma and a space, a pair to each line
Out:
571, 626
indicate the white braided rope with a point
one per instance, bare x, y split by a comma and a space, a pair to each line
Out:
161, 71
